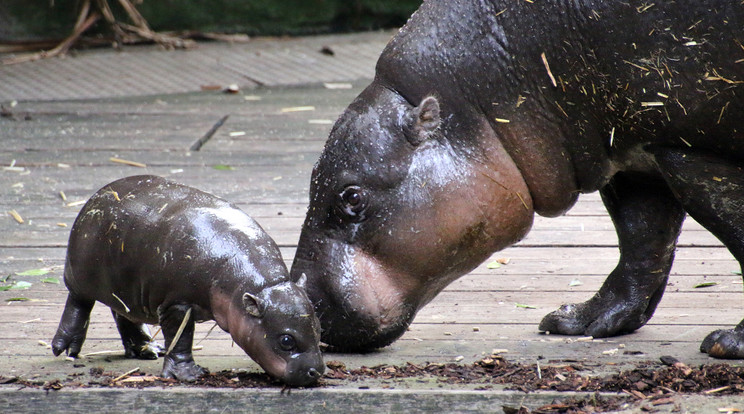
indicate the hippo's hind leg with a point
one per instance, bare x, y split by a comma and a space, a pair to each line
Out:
178, 329
136, 339
647, 219
73, 326
711, 189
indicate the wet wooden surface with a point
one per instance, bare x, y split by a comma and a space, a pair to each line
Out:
66, 147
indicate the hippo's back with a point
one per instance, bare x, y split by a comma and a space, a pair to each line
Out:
144, 241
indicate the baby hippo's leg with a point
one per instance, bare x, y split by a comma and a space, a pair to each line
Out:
178, 330
73, 326
136, 339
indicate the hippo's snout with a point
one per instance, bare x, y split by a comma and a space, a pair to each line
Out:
299, 374
355, 315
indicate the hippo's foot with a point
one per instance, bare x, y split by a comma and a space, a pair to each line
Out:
73, 327
596, 318
648, 220
724, 344
149, 350
182, 370
138, 343
67, 342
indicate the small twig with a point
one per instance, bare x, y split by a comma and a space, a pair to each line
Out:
126, 374
180, 331
126, 308
208, 332
100, 353
547, 67
203, 140
715, 390
17, 217
127, 162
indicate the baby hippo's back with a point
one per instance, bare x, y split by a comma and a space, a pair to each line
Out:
144, 242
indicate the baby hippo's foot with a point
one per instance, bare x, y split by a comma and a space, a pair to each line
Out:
724, 344
182, 369
148, 350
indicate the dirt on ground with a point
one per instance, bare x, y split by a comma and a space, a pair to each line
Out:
652, 382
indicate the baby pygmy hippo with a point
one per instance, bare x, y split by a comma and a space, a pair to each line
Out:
158, 252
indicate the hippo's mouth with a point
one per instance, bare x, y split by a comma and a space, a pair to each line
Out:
354, 333
361, 302
348, 325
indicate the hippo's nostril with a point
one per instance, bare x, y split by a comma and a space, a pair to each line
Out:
313, 373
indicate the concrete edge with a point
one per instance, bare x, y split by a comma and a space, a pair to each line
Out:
181, 399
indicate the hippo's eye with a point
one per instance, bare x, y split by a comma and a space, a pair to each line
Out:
287, 342
353, 202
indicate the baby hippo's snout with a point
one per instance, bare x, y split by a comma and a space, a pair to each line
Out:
304, 369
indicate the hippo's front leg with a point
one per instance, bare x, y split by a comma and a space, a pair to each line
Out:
73, 326
179, 362
648, 220
711, 188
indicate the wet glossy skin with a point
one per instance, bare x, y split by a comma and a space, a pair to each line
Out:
152, 250
485, 112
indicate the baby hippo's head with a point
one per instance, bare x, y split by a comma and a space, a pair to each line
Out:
279, 330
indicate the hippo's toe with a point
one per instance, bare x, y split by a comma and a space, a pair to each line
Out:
596, 317
68, 342
186, 371
566, 320
724, 344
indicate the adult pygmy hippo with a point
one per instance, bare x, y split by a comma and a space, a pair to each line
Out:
159, 252
484, 112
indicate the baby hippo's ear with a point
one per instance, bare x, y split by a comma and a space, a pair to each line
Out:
253, 305
302, 282
424, 121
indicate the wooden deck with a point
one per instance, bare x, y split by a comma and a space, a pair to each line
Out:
65, 147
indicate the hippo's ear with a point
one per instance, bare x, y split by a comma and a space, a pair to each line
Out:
302, 282
424, 121
253, 305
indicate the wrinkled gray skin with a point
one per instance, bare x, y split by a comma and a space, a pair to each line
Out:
152, 250
463, 136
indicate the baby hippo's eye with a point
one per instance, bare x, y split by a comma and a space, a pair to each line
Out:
353, 202
287, 342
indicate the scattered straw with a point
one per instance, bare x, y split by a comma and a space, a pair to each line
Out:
32, 320
715, 390
126, 308
115, 194
547, 67
109, 352
205, 336
720, 116
16, 216
126, 374
297, 109
180, 331
522, 200
127, 162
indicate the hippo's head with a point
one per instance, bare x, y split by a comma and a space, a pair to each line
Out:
279, 330
404, 199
